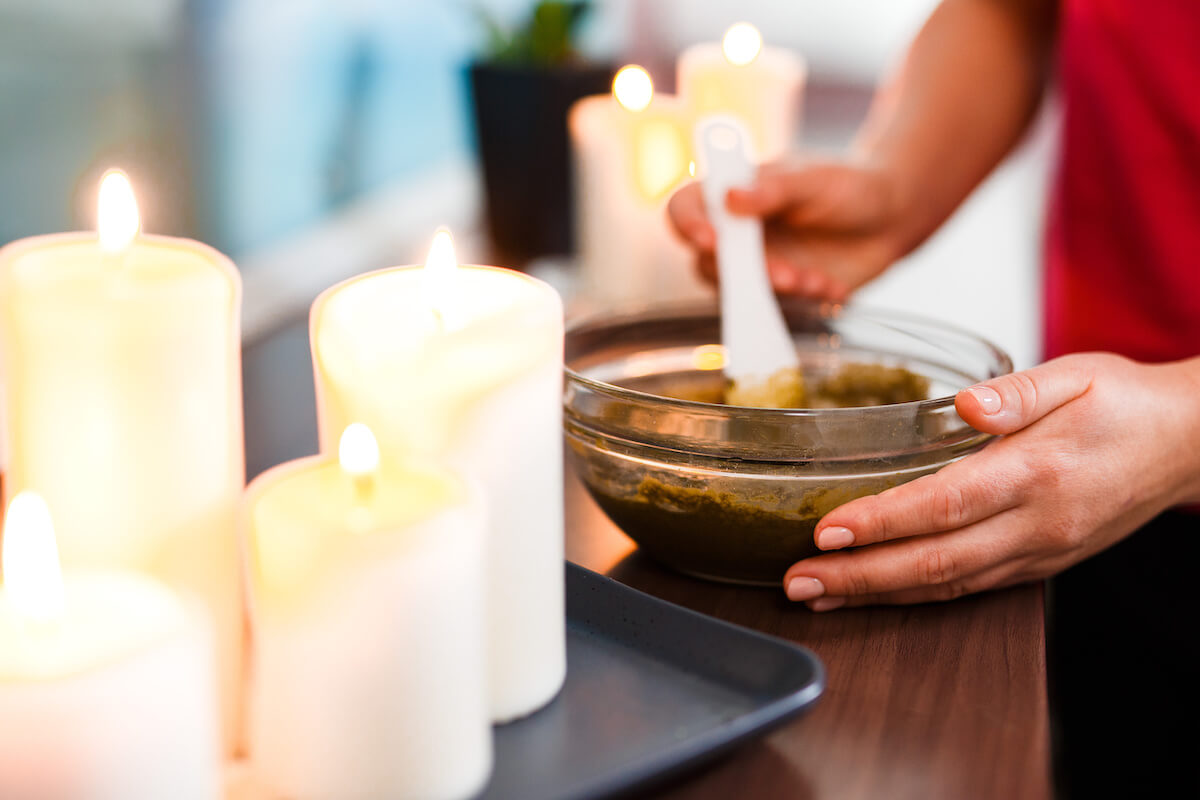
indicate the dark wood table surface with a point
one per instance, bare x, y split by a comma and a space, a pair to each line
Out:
935, 701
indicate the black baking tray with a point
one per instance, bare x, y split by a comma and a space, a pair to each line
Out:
652, 690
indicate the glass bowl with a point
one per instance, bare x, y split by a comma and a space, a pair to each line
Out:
733, 494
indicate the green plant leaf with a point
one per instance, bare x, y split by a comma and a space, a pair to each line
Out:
547, 38
498, 44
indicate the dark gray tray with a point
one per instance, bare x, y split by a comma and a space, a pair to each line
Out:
652, 690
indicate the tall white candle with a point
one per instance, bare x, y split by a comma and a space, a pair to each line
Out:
107, 689
369, 676
122, 407
464, 363
761, 86
631, 149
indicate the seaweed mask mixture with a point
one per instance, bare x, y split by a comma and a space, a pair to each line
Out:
852, 386
694, 524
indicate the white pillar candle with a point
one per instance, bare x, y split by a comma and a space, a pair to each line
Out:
465, 363
122, 401
369, 677
107, 689
761, 86
631, 149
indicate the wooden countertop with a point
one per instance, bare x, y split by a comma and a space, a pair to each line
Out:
935, 701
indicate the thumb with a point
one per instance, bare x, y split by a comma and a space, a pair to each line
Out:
1012, 402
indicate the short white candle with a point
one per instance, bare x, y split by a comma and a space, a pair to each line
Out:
631, 149
464, 363
107, 686
368, 676
762, 86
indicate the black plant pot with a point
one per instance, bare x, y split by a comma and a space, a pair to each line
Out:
521, 130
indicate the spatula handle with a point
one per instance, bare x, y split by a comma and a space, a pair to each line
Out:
756, 338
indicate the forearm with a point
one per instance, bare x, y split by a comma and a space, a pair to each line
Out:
970, 84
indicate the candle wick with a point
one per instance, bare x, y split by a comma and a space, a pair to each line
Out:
42, 633
115, 260
364, 488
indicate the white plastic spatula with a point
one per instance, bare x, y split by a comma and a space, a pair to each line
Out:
753, 331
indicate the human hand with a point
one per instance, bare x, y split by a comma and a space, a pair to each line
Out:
829, 227
1093, 447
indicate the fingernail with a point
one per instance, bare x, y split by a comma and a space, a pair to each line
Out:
835, 537
827, 603
804, 589
987, 397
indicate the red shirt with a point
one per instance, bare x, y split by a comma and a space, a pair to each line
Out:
1123, 243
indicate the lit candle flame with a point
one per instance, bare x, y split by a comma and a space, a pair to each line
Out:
117, 219
32, 575
441, 271
741, 44
633, 88
692, 168
358, 451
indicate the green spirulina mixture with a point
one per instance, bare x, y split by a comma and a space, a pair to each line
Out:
711, 531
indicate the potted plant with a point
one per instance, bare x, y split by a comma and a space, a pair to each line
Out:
522, 88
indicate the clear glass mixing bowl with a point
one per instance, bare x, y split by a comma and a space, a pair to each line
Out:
733, 494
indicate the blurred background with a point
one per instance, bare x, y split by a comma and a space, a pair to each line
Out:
314, 139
